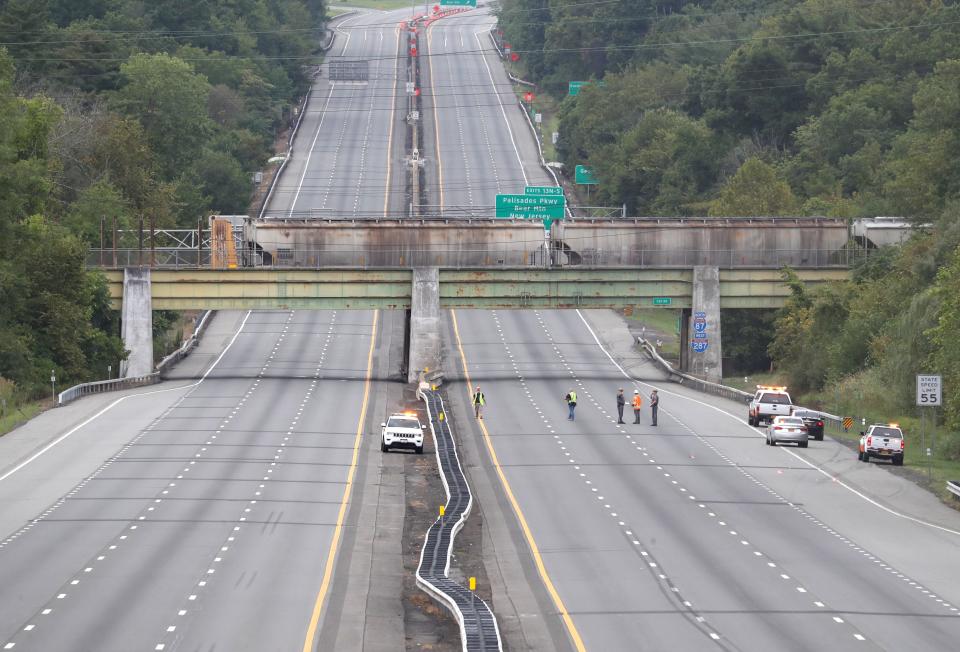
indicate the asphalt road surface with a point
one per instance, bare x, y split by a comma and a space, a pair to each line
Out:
482, 141
212, 526
346, 151
692, 534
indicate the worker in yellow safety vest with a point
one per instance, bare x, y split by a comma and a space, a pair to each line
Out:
479, 400
571, 399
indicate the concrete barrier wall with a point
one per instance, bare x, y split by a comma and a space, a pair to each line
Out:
397, 243
687, 242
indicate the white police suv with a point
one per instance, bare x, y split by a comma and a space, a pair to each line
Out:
402, 430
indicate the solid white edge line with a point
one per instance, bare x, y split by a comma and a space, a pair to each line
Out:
785, 450
483, 56
123, 398
323, 115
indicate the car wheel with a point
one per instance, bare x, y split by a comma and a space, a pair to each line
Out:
750, 421
419, 450
803, 444
818, 437
865, 456
383, 447
898, 460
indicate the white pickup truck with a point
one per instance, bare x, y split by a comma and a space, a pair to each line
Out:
767, 403
883, 441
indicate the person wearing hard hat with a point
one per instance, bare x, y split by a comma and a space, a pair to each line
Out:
637, 404
479, 400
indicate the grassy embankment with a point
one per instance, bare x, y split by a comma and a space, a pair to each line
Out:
18, 415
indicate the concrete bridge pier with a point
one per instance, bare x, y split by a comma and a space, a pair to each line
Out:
700, 349
424, 322
136, 325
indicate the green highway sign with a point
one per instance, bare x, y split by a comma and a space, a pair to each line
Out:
544, 190
575, 86
662, 301
458, 3
530, 206
583, 175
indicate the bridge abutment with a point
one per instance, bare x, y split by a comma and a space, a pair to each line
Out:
424, 322
701, 352
136, 325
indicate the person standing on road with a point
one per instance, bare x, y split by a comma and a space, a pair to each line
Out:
654, 404
479, 400
621, 401
637, 404
571, 399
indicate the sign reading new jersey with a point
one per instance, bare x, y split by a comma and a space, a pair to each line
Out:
530, 206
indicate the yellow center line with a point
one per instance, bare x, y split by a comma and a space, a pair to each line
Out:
534, 549
309, 642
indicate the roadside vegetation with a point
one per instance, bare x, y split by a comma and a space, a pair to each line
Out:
839, 108
117, 111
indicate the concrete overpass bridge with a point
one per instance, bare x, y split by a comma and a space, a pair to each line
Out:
699, 266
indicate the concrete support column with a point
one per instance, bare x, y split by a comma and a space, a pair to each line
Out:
136, 325
703, 328
424, 322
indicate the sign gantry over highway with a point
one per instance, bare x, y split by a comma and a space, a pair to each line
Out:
929, 390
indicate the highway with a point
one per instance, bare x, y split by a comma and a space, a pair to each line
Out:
348, 144
208, 513
692, 534
210, 528
482, 143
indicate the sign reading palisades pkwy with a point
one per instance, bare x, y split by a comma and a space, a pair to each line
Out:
583, 175
530, 206
544, 190
929, 390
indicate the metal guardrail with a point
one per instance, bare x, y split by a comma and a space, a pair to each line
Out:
101, 386
478, 626
715, 388
117, 384
953, 486
692, 381
187, 346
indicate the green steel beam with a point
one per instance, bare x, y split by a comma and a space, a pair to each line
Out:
459, 288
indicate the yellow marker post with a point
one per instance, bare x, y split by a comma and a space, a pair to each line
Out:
473, 583
442, 416
443, 510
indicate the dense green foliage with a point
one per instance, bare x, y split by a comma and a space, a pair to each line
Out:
843, 108
122, 110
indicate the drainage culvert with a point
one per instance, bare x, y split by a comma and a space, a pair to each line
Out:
478, 626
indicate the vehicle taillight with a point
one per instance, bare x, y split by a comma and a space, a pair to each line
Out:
903, 444
870, 441
819, 424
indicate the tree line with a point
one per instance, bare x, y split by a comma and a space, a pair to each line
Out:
840, 108
122, 110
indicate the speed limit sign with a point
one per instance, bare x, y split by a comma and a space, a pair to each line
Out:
929, 390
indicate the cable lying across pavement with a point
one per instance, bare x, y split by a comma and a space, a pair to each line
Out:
478, 625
